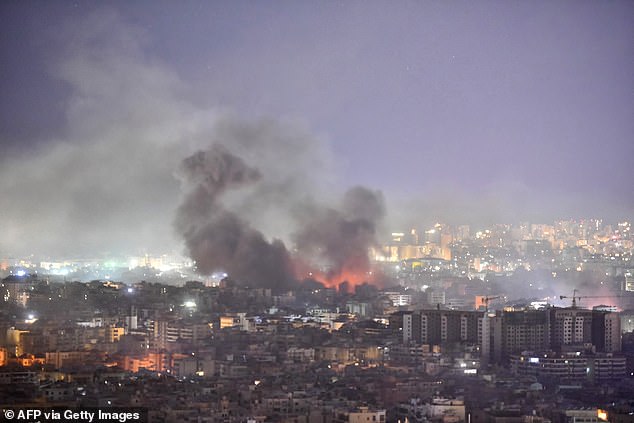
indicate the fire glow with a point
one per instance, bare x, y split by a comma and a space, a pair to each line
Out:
346, 279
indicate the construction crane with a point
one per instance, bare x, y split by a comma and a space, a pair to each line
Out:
576, 297
486, 302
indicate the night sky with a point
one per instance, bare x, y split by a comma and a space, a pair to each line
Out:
471, 112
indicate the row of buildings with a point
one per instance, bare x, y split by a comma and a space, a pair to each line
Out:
512, 331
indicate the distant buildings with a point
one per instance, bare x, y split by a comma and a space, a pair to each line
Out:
570, 367
436, 327
417, 349
510, 332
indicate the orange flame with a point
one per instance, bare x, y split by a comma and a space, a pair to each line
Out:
346, 279
353, 274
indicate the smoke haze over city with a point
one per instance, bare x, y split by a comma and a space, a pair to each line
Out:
457, 112
317, 212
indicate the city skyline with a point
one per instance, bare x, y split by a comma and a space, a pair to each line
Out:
317, 212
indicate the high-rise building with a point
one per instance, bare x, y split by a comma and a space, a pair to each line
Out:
486, 338
571, 327
509, 333
606, 331
437, 327
517, 331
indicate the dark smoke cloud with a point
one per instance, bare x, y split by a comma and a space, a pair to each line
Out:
339, 239
217, 238
105, 182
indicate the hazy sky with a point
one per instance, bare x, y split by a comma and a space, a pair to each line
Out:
475, 110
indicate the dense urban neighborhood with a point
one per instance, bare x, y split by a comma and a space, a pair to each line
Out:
524, 323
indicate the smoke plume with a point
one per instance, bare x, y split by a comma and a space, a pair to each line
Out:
102, 183
222, 191
339, 240
217, 238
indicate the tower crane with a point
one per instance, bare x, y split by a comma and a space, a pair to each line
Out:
486, 302
576, 297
